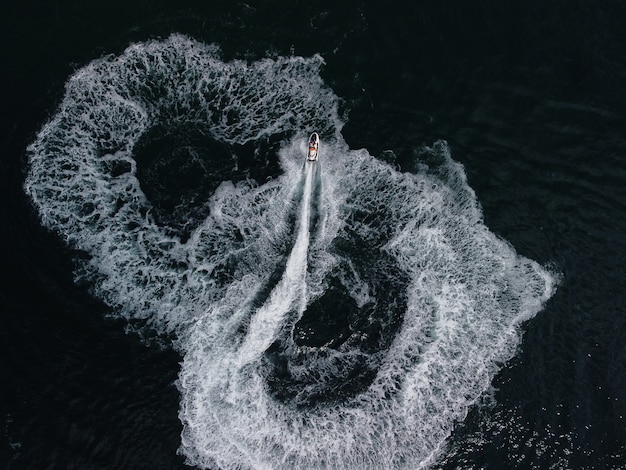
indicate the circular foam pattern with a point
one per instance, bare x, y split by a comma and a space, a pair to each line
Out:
343, 315
83, 175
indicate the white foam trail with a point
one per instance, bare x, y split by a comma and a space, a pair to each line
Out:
290, 292
461, 320
437, 298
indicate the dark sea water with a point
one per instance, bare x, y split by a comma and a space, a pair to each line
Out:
445, 289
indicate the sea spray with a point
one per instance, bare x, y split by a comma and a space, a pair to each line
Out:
428, 302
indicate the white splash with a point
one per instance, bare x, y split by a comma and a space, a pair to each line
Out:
439, 298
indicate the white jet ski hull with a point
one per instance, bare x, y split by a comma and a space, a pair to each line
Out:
312, 154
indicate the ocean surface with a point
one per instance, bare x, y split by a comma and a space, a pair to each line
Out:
443, 289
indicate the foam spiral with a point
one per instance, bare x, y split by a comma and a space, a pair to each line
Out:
342, 315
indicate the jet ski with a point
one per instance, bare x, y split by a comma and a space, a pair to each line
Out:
314, 146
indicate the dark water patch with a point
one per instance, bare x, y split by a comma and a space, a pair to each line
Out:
333, 351
327, 321
179, 169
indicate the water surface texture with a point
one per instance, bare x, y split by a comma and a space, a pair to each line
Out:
434, 292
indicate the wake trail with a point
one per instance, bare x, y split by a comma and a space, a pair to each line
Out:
388, 302
290, 292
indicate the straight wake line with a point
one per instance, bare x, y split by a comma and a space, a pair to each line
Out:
289, 293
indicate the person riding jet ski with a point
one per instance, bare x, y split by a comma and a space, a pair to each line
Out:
314, 143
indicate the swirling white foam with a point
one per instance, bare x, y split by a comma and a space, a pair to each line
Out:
466, 291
